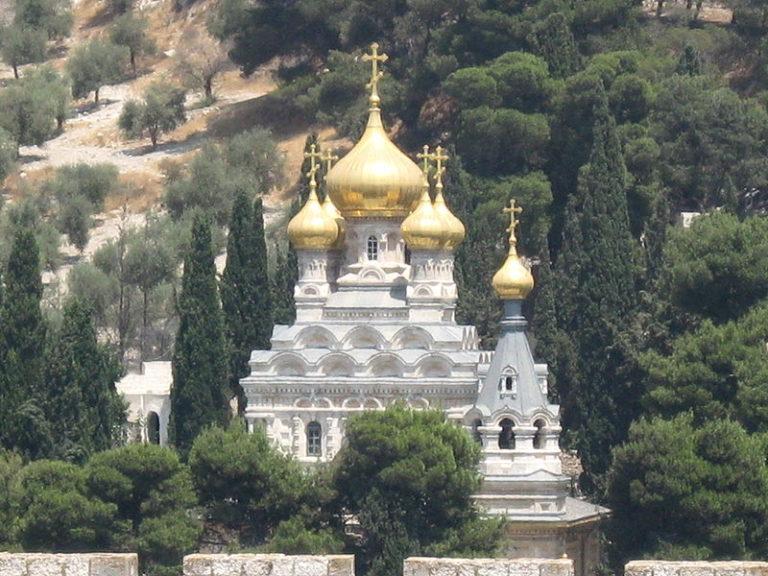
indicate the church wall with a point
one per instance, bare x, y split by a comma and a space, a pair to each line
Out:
68, 564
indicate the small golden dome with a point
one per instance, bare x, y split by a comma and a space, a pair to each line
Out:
331, 210
513, 281
375, 179
423, 229
453, 229
313, 228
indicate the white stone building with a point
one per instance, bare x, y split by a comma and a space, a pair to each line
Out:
375, 325
148, 395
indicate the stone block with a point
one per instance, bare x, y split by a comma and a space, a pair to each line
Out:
467, 568
198, 565
310, 566
445, 567
416, 566
639, 568
695, 569
728, 568
524, 567
341, 565
227, 565
556, 568
256, 565
282, 565
77, 565
755, 568
45, 564
113, 564
493, 568
12, 565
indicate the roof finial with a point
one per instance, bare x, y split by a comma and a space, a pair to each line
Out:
329, 158
313, 155
513, 211
374, 57
439, 157
425, 157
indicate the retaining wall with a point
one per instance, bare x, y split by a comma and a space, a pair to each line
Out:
68, 564
487, 567
660, 568
267, 565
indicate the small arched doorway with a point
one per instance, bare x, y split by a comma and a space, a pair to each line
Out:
153, 428
538, 438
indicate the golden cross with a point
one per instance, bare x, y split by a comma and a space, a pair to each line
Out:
329, 158
425, 157
439, 157
313, 154
374, 58
513, 211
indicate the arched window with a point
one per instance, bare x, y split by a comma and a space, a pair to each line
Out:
508, 382
153, 428
476, 434
538, 437
314, 439
373, 248
507, 435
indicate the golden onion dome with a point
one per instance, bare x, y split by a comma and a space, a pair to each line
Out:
375, 179
513, 281
331, 210
313, 228
453, 229
423, 228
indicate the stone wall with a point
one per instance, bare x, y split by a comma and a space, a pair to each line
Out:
660, 568
487, 567
267, 565
68, 564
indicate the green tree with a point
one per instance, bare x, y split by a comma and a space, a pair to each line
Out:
408, 476
153, 494
131, 32
7, 154
56, 513
597, 298
28, 112
200, 392
10, 466
714, 269
53, 16
161, 110
681, 490
246, 483
82, 403
555, 43
24, 333
95, 64
200, 60
245, 289
23, 46
713, 372
149, 263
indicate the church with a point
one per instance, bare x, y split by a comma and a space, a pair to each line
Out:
375, 324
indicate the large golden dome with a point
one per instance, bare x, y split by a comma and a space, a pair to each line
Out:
423, 229
375, 179
513, 281
313, 228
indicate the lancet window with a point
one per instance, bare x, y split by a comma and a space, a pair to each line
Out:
373, 248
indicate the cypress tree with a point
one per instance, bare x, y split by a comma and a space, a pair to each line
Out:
597, 298
82, 403
200, 379
24, 426
555, 43
544, 320
245, 289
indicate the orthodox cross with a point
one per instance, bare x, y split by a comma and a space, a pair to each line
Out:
374, 58
513, 211
313, 155
425, 157
329, 158
439, 157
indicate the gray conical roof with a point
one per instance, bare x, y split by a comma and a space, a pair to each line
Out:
513, 357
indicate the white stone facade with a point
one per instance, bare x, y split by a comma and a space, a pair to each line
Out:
148, 395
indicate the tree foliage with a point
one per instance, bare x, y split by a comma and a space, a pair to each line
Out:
95, 64
160, 111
